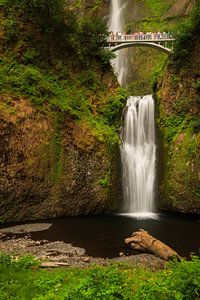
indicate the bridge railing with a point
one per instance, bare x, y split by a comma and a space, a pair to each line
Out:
157, 36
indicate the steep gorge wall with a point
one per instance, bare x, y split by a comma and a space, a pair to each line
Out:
43, 177
179, 122
59, 115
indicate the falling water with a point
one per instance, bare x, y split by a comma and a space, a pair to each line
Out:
116, 24
138, 138
138, 156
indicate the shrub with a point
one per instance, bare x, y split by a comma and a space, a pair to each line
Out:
17, 263
181, 281
101, 284
178, 281
49, 29
113, 109
187, 32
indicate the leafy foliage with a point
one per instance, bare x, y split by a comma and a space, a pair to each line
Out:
112, 110
158, 7
17, 263
172, 126
45, 29
57, 59
187, 32
179, 280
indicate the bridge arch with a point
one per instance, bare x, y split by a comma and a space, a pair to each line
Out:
141, 44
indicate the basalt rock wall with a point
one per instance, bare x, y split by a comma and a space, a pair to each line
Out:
43, 177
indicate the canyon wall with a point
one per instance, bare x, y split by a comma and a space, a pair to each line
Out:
178, 102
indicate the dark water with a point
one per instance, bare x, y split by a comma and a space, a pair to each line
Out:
103, 236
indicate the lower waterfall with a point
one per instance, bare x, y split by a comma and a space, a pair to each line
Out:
138, 156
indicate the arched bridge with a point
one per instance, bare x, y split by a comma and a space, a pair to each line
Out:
126, 41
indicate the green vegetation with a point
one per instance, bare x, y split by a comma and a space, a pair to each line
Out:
179, 118
155, 21
180, 129
149, 63
187, 31
105, 181
172, 126
22, 279
44, 30
158, 7
55, 57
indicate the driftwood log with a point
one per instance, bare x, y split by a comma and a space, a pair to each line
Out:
53, 264
142, 240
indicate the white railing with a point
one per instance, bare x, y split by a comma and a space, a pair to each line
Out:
157, 36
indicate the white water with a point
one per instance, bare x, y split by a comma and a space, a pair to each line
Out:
116, 24
138, 147
138, 156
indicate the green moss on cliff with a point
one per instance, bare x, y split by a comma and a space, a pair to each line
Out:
179, 122
65, 102
57, 83
180, 187
145, 64
158, 7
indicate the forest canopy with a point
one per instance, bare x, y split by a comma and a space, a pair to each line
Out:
50, 28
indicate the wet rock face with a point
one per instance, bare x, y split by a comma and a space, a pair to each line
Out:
43, 178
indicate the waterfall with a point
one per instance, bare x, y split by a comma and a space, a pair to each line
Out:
116, 24
138, 156
138, 135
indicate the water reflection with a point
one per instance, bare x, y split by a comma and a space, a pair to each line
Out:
103, 236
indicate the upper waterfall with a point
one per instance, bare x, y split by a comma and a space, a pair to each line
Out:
116, 19
116, 24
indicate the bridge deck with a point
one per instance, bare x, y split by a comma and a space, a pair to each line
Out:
120, 41
160, 41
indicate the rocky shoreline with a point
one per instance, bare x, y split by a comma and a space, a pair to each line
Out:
59, 253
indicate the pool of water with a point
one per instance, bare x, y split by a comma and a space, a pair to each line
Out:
103, 236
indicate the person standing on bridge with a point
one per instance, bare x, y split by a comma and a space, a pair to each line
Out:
112, 36
164, 35
150, 35
136, 36
140, 35
153, 35
124, 36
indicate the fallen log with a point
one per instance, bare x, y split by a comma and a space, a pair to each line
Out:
53, 264
143, 241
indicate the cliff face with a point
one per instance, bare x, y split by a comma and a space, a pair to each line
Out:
43, 177
179, 122
60, 107
180, 8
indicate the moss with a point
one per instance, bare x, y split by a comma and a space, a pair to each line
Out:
181, 182
67, 106
181, 138
105, 181
6, 108
158, 7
